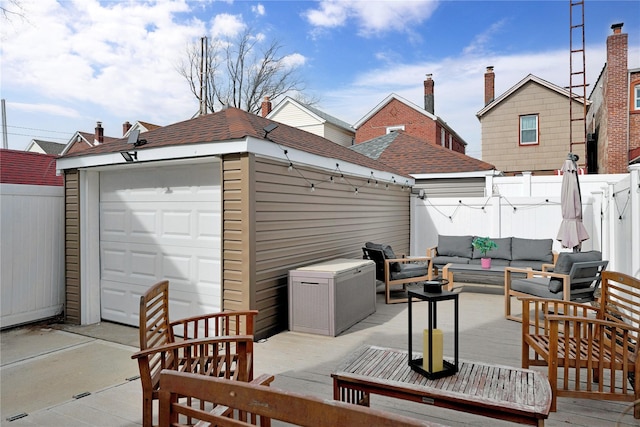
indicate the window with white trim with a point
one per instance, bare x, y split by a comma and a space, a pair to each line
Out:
529, 129
636, 97
394, 128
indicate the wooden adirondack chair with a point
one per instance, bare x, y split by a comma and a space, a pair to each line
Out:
218, 344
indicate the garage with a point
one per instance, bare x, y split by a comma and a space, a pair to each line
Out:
156, 223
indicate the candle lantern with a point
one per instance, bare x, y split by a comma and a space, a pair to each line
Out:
432, 363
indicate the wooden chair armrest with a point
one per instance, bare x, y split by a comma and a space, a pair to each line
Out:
547, 267
432, 252
192, 342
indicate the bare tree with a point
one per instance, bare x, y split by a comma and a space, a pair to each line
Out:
239, 73
11, 9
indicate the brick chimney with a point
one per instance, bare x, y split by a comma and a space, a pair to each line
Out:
489, 85
616, 100
125, 128
428, 95
99, 136
266, 106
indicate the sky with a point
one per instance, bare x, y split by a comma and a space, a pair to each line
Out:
67, 64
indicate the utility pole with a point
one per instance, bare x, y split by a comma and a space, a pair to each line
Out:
204, 74
5, 141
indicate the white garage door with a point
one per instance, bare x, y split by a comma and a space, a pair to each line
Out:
160, 223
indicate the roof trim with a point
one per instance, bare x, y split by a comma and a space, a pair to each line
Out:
250, 144
521, 83
473, 174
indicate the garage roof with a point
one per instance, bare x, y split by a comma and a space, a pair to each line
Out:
233, 125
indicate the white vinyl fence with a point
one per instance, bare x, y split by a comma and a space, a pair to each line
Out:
529, 206
31, 253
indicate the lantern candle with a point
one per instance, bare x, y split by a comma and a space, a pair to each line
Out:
437, 354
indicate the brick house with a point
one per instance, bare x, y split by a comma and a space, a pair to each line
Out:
613, 120
396, 113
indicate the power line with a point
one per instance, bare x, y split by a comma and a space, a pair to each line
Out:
38, 130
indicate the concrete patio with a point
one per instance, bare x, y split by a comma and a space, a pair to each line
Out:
44, 366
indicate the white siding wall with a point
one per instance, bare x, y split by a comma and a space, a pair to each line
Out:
31, 253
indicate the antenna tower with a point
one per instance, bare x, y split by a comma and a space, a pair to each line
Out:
577, 80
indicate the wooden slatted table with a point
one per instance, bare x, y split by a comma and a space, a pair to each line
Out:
508, 393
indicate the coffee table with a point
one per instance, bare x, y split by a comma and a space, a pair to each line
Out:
449, 269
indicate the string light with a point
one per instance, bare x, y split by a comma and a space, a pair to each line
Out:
343, 179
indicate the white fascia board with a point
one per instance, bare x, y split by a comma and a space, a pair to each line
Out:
299, 157
173, 152
473, 174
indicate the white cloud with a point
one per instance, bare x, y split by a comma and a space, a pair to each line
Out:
258, 9
371, 17
225, 25
294, 60
52, 109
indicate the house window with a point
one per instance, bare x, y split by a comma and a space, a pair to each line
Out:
450, 142
529, 129
636, 97
394, 128
442, 137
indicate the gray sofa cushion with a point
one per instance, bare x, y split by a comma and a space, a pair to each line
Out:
503, 251
534, 265
565, 262
388, 253
532, 249
455, 246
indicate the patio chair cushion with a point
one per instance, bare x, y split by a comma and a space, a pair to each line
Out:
565, 262
537, 286
410, 270
455, 246
532, 249
441, 261
502, 252
388, 253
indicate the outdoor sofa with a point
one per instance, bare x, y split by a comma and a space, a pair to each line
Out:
511, 252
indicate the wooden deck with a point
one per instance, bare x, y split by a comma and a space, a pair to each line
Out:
303, 363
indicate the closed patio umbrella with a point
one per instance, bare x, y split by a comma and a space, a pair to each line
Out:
572, 232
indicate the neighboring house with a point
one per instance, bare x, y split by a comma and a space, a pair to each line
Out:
32, 230
222, 206
527, 127
396, 113
613, 120
306, 117
81, 141
143, 127
438, 171
45, 147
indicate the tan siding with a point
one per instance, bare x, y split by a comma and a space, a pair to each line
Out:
273, 223
500, 128
72, 246
295, 227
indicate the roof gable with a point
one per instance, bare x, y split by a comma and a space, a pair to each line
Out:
413, 156
28, 168
529, 79
385, 102
316, 114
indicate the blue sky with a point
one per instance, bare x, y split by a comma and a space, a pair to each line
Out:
71, 63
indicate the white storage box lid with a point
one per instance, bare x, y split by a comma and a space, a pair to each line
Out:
337, 265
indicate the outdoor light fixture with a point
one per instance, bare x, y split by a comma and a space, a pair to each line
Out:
129, 156
269, 128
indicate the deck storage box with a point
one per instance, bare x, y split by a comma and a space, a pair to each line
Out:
330, 297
